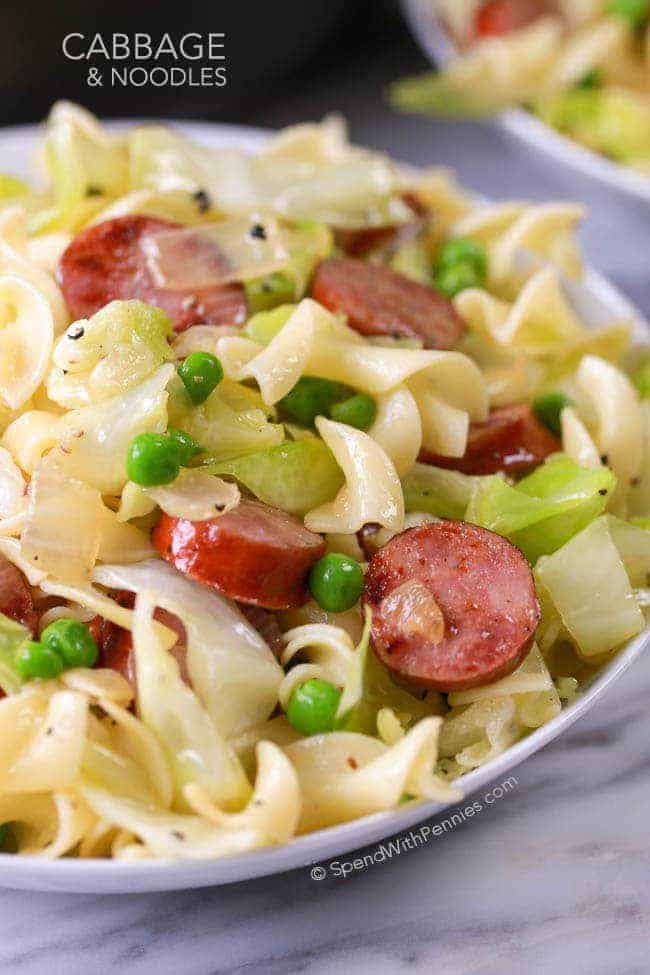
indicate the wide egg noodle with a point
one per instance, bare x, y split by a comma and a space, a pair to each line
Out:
372, 492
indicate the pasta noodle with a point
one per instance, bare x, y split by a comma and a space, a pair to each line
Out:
372, 492
186, 737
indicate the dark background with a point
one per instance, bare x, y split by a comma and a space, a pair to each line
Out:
284, 59
296, 60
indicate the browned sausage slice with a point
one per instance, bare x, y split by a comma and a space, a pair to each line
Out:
358, 243
498, 17
454, 606
106, 262
511, 439
16, 600
115, 644
378, 301
254, 553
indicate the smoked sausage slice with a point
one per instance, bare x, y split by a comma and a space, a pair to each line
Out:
498, 17
453, 606
511, 439
116, 645
106, 262
378, 301
16, 600
254, 553
358, 243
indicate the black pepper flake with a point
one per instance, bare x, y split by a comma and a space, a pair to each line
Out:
178, 835
202, 200
94, 190
603, 491
49, 731
604, 459
76, 333
257, 230
267, 286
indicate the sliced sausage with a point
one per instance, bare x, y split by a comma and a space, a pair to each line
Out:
453, 606
498, 17
358, 243
106, 262
378, 301
116, 644
16, 599
266, 624
511, 439
254, 553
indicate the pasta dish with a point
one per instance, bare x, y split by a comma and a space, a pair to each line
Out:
315, 491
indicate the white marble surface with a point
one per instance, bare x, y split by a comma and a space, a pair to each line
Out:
554, 878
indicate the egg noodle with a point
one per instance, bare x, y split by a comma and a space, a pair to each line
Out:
196, 757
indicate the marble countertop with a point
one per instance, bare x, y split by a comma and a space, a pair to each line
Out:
554, 877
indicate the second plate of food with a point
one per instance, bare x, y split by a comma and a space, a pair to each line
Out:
583, 73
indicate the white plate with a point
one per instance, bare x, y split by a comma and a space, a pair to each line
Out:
427, 29
598, 302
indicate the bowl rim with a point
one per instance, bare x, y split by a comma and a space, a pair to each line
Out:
115, 876
431, 37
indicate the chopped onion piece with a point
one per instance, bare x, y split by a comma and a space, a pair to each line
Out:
234, 250
196, 495
415, 611
63, 527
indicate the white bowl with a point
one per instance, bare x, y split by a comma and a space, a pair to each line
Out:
430, 34
597, 302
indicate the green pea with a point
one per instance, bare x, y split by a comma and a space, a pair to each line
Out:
336, 582
72, 641
268, 292
641, 379
312, 707
37, 660
201, 372
311, 397
462, 250
457, 277
636, 12
590, 80
358, 411
152, 459
187, 446
548, 408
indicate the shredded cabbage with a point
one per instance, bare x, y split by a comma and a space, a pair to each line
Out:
167, 706
232, 421
438, 491
95, 439
296, 476
545, 509
587, 581
232, 669
97, 358
12, 636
